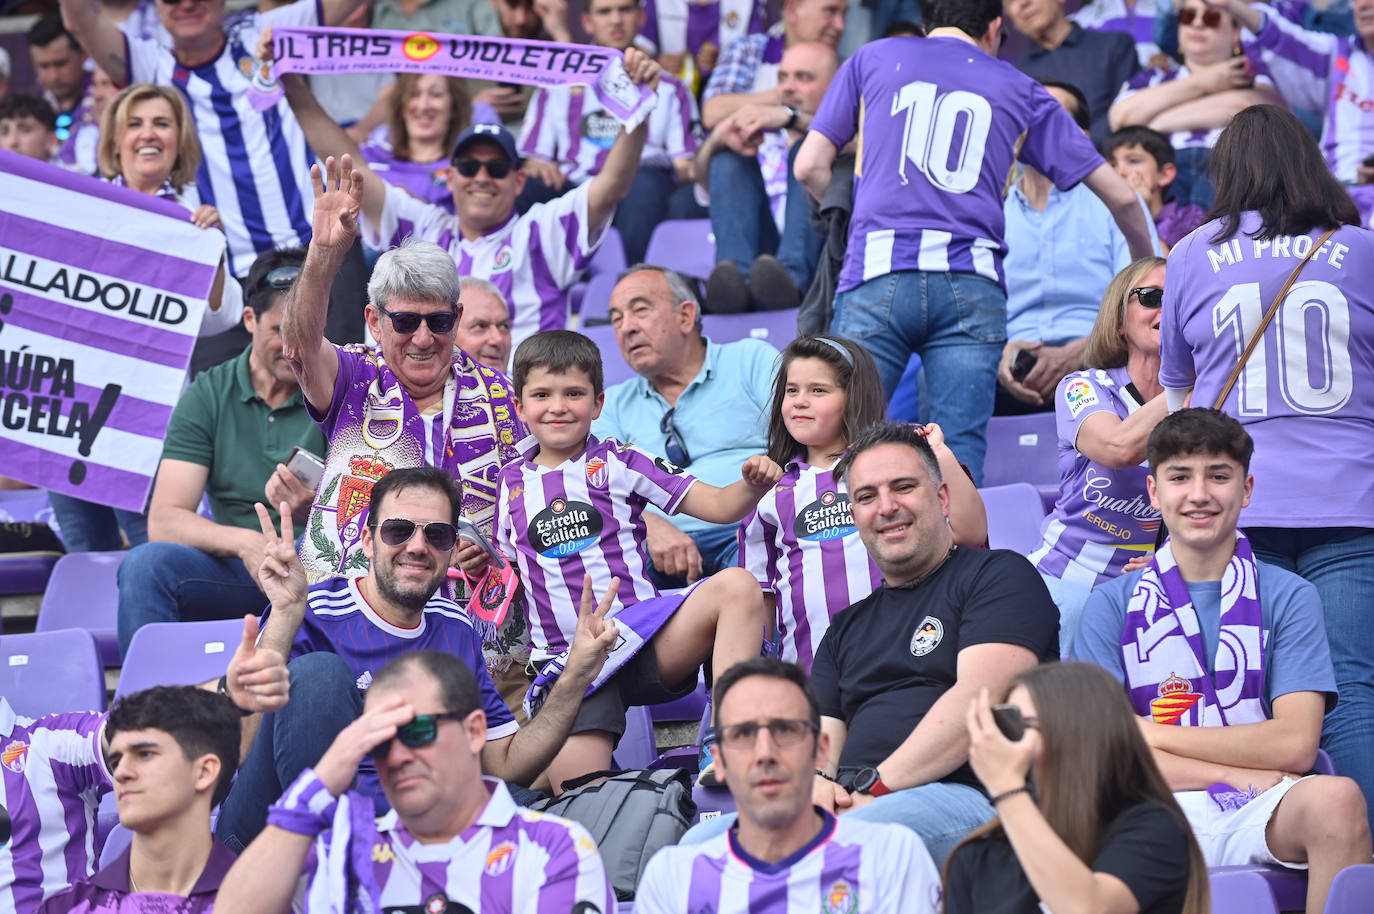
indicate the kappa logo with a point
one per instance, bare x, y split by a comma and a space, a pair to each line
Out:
927, 636
15, 755
500, 858
841, 899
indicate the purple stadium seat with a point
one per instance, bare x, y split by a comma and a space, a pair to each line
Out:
613, 364
1241, 890
637, 747
1015, 513
1023, 449
596, 301
26, 572
610, 256
776, 327
1352, 890
178, 653
712, 802
83, 593
689, 707
116, 841
685, 245
26, 505
52, 672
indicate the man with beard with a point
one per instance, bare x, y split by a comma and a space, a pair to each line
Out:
342, 630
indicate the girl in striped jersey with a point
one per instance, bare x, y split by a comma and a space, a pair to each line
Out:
800, 542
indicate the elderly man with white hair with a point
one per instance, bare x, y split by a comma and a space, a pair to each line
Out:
483, 322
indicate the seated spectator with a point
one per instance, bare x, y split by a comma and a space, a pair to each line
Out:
1097, 62
4, 73
567, 136
484, 327
28, 126
1206, 639
1191, 104
425, 112
1097, 831
1063, 248
687, 36
1104, 415
456, 841
781, 846
228, 440
60, 65
766, 249
1134, 17
171, 752
1146, 160
673, 410
338, 634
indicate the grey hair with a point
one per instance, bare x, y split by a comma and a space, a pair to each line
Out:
681, 289
414, 270
482, 285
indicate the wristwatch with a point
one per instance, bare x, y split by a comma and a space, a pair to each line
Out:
867, 781
792, 115
222, 688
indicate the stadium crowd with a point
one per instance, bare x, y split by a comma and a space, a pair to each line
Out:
1143, 219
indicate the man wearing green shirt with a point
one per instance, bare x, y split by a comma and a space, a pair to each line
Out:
228, 439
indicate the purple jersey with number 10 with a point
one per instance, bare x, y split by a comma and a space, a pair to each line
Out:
937, 119
1306, 394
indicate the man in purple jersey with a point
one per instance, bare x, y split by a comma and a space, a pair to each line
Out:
455, 841
937, 119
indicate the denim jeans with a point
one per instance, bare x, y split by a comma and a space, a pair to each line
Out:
88, 527
169, 582
941, 814
324, 700
644, 207
1192, 185
1339, 562
958, 324
742, 219
719, 548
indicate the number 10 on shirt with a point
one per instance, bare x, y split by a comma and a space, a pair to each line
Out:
932, 122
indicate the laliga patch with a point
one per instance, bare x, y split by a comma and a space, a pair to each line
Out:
565, 527
826, 518
1079, 395
927, 636
840, 899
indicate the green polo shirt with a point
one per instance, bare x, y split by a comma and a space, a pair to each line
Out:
222, 424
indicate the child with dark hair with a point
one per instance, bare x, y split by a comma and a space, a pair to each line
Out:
28, 126
1145, 159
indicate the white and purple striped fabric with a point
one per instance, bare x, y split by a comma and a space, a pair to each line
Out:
97, 322
1179, 139
52, 777
583, 517
1136, 20
568, 126
675, 26
533, 259
802, 546
851, 867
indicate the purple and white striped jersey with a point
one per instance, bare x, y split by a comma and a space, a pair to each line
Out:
1306, 394
1102, 518
937, 119
802, 546
1320, 72
109, 892
1179, 139
583, 517
533, 259
256, 165
52, 776
675, 26
851, 867
566, 125
1136, 20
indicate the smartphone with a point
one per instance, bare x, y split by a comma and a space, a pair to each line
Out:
469, 531
1009, 721
1023, 363
1369, 161
306, 467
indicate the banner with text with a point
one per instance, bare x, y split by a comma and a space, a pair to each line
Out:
95, 333
318, 49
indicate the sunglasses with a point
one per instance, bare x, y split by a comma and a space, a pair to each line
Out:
407, 322
784, 731
397, 531
281, 278
676, 448
1150, 296
422, 730
1211, 19
468, 167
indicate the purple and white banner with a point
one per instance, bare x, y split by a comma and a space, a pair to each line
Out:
102, 290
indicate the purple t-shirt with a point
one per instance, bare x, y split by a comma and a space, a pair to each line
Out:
1306, 395
423, 180
108, 891
937, 119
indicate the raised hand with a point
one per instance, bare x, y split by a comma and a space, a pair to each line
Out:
642, 69
337, 767
338, 200
595, 635
257, 678
760, 472
281, 575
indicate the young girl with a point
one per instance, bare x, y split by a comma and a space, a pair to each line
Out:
800, 542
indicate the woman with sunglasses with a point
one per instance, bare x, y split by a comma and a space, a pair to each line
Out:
1191, 104
1085, 821
1306, 392
1104, 415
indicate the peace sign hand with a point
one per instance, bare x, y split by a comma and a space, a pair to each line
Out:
595, 635
281, 575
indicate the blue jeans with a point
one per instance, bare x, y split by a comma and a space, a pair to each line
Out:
742, 220
88, 527
941, 814
324, 700
1192, 185
169, 582
958, 324
1339, 562
719, 548
644, 207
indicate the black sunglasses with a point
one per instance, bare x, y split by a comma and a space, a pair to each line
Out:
1211, 19
397, 531
469, 166
422, 730
1151, 297
407, 322
676, 448
281, 278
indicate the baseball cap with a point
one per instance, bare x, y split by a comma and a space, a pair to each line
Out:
492, 132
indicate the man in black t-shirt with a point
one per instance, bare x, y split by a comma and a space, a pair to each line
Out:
895, 672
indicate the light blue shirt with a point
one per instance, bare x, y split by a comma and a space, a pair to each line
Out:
722, 415
1059, 262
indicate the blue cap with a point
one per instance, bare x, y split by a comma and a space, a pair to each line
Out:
492, 132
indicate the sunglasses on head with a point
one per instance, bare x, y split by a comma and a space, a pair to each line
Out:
676, 448
397, 531
422, 730
1149, 296
1211, 19
469, 166
407, 322
281, 278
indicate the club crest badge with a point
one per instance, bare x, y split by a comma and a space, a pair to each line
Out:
927, 636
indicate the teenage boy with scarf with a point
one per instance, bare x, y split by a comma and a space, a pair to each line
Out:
1225, 659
